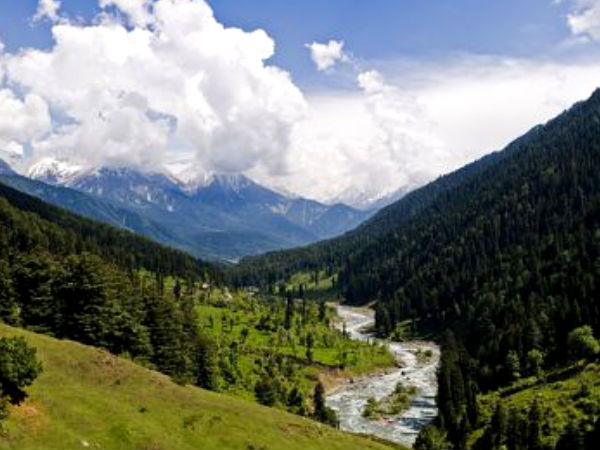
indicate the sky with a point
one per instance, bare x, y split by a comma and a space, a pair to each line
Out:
333, 100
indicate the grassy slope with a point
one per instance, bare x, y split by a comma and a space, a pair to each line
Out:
87, 398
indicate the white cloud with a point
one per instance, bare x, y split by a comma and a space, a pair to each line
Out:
371, 142
140, 94
47, 9
584, 18
325, 56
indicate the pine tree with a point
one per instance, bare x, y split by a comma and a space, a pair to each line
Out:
206, 362
289, 311
534, 427
9, 312
572, 438
321, 412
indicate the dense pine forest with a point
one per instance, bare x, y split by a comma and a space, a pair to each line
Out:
503, 254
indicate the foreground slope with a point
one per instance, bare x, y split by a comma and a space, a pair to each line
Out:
87, 398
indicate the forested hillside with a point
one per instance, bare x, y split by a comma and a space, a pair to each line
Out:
505, 254
31, 223
332, 254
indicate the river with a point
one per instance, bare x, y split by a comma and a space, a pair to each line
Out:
350, 399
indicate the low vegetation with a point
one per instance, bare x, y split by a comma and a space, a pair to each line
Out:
392, 405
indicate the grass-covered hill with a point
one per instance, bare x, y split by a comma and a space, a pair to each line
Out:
87, 398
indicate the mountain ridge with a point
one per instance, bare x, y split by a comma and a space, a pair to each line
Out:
217, 217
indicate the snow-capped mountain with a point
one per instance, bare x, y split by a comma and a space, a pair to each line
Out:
212, 216
54, 171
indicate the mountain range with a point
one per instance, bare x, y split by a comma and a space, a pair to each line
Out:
216, 217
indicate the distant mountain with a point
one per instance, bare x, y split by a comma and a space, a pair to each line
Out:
366, 201
214, 217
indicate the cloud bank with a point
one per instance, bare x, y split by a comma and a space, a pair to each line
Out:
407, 124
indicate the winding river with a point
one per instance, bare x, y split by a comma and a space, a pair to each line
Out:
349, 400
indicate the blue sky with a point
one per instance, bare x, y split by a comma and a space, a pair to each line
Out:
373, 29
418, 88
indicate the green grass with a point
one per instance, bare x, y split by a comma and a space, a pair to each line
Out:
87, 398
570, 394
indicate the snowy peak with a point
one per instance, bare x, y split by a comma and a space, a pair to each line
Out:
221, 214
54, 171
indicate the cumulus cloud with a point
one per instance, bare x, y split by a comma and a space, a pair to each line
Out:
367, 143
172, 80
325, 56
47, 9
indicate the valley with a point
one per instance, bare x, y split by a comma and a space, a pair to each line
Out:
242, 225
